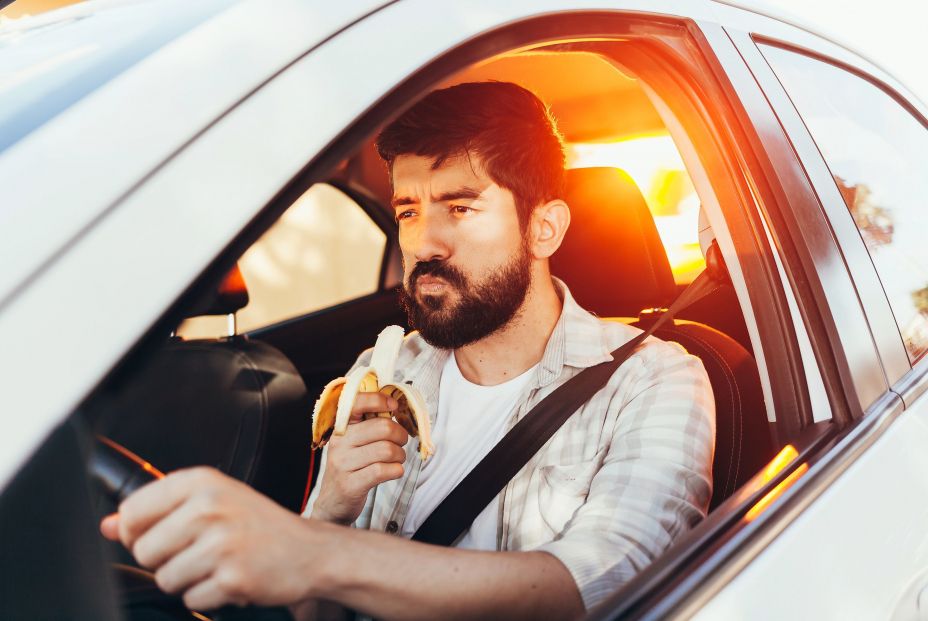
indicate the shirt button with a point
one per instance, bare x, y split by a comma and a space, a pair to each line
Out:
392, 527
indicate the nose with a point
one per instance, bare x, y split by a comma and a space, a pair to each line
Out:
426, 239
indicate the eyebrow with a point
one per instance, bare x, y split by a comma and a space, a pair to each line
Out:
464, 193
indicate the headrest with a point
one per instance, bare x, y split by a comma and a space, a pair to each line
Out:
612, 257
231, 296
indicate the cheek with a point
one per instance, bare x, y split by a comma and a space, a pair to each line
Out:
409, 262
488, 244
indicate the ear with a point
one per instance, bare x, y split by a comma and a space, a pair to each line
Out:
548, 226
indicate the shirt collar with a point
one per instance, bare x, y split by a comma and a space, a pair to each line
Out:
578, 340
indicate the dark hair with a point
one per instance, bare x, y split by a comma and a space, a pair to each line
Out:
506, 126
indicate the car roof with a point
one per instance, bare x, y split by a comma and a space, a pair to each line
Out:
51, 60
136, 101
68, 177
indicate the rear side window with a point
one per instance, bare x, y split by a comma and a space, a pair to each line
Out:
322, 251
877, 152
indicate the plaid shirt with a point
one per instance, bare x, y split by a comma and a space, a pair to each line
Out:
617, 483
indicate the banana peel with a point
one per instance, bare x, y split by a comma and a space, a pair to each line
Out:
332, 411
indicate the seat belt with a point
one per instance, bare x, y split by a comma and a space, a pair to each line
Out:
471, 496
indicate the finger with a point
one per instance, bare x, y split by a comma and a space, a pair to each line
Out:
375, 474
152, 502
374, 430
209, 594
380, 451
371, 402
189, 567
109, 527
177, 531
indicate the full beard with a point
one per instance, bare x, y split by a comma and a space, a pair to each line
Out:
481, 309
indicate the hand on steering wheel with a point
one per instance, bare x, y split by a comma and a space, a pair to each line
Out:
120, 473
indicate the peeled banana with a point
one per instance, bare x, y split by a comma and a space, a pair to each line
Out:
333, 408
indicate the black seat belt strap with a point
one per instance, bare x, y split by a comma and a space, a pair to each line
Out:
461, 507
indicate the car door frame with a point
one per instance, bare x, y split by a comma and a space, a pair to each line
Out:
324, 156
878, 408
906, 379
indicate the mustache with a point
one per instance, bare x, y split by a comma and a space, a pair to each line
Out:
439, 269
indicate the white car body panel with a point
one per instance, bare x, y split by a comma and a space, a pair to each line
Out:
173, 94
838, 560
90, 178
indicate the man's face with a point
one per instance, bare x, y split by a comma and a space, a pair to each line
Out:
466, 263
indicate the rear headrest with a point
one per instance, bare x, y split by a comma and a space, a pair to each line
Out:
230, 297
612, 257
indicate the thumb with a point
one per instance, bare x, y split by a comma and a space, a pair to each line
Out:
109, 527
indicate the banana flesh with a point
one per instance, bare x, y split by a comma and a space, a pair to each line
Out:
332, 411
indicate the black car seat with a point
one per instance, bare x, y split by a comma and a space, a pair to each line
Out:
233, 403
614, 262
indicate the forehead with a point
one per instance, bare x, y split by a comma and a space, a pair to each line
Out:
413, 174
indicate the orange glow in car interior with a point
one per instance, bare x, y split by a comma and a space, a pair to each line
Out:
654, 163
783, 459
233, 283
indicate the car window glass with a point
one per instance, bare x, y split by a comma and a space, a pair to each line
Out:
322, 251
877, 152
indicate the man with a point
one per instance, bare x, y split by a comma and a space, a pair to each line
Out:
477, 172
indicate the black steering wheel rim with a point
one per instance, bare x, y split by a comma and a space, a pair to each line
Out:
118, 472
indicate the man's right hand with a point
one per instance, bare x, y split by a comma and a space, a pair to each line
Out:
369, 453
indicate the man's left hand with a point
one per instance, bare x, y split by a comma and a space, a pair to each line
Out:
216, 540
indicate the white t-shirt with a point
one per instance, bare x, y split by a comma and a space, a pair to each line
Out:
471, 420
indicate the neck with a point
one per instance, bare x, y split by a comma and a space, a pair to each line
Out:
520, 345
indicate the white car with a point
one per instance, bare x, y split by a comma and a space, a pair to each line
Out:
147, 147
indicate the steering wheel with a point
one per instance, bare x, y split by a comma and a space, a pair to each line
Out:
118, 472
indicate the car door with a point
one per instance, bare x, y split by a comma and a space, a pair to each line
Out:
856, 547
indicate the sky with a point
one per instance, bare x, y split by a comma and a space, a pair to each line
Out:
892, 33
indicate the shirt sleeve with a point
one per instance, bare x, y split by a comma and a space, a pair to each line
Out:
655, 481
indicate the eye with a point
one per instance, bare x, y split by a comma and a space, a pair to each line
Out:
403, 215
460, 209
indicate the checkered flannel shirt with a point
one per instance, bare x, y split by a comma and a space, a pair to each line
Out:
617, 483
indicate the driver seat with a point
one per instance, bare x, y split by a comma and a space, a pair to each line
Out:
233, 403
616, 266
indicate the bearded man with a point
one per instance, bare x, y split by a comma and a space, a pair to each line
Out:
477, 173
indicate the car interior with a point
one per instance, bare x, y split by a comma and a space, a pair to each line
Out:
238, 395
